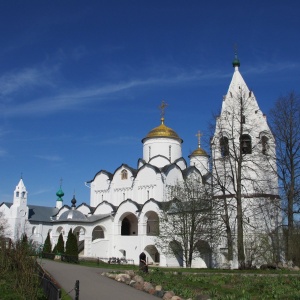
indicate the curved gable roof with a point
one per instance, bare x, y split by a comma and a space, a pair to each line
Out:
114, 208
108, 174
190, 169
125, 166
156, 169
138, 206
158, 155
166, 168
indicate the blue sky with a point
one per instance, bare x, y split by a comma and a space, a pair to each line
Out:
81, 81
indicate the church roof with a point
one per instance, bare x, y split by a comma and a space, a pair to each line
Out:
41, 213
198, 152
162, 131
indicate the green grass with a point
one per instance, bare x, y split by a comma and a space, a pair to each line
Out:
220, 284
228, 286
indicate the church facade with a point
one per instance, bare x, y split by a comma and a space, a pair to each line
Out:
122, 217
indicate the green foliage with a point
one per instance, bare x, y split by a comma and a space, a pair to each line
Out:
47, 245
227, 286
60, 246
18, 271
71, 244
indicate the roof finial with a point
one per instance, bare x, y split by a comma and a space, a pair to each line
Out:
60, 182
236, 62
198, 135
162, 108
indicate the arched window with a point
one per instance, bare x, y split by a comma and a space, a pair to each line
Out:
23, 194
264, 144
246, 144
17, 194
125, 229
124, 174
224, 146
97, 233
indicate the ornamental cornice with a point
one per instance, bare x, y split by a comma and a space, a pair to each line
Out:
101, 191
149, 186
123, 189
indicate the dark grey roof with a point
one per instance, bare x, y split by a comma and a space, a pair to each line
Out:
8, 204
73, 215
89, 219
41, 213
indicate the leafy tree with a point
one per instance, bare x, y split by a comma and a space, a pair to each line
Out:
47, 245
71, 244
285, 123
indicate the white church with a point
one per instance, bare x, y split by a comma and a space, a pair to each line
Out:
122, 217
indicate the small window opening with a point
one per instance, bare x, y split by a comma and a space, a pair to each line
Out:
224, 146
264, 144
246, 144
124, 174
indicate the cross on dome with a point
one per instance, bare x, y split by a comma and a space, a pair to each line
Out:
198, 135
162, 108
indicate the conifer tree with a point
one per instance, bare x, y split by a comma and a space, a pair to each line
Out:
71, 244
47, 245
60, 246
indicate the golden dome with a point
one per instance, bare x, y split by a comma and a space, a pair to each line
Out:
198, 152
163, 131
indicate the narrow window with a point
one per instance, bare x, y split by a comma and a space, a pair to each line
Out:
224, 146
124, 174
264, 144
17, 194
246, 144
23, 194
149, 152
170, 151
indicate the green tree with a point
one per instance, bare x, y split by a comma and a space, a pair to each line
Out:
71, 244
47, 245
60, 246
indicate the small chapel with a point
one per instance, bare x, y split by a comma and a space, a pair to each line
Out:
122, 218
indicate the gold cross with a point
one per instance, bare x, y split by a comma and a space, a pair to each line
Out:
198, 135
162, 108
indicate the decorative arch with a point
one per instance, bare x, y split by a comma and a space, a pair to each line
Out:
34, 230
60, 230
205, 251
129, 224
153, 254
152, 223
177, 251
98, 233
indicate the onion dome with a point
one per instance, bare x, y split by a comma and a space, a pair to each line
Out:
73, 201
199, 151
236, 62
162, 131
60, 194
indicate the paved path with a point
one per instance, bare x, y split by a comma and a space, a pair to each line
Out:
93, 286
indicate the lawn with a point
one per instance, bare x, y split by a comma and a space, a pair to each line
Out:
220, 284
